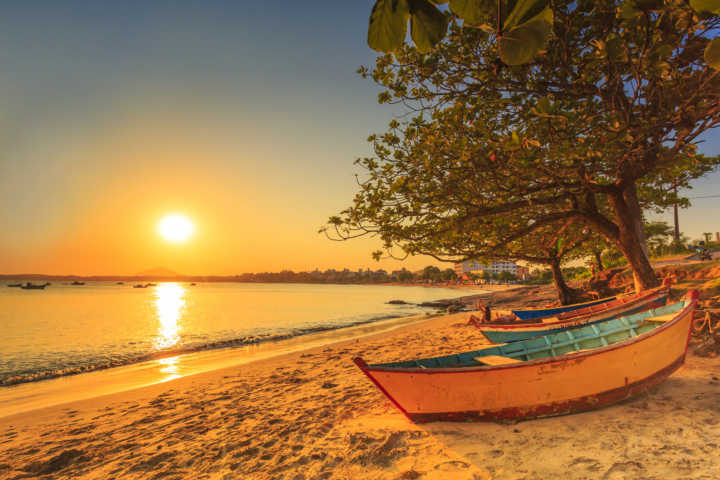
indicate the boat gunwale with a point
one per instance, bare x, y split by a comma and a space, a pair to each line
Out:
622, 301
691, 296
575, 320
589, 303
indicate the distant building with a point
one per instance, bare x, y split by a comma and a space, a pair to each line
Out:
472, 266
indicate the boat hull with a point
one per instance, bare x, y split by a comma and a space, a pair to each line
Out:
558, 385
514, 333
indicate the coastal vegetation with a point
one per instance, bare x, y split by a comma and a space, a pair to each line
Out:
502, 160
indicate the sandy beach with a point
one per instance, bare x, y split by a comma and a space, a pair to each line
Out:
313, 415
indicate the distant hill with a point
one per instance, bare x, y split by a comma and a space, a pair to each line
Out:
158, 272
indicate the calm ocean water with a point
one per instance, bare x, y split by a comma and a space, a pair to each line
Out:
70, 329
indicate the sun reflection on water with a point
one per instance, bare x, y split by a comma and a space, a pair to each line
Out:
169, 306
169, 366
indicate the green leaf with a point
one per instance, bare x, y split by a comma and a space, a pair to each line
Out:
427, 24
711, 6
543, 105
712, 54
520, 44
388, 25
523, 11
629, 9
632, 8
614, 48
650, 4
473, 12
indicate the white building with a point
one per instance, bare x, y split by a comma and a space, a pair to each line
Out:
472, 266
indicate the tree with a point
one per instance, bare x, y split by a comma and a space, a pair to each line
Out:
448, 275
405, 276
658, 234
506, 276
591, 131
431, 273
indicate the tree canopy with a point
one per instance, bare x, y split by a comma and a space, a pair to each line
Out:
522, 28
592, 131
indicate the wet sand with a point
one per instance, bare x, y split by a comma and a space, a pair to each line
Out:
313, 415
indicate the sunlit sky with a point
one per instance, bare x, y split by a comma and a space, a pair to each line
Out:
244, 116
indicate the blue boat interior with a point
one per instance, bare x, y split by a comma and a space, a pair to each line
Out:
545, 312
567, 341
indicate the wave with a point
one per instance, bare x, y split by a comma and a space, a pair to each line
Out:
28, 376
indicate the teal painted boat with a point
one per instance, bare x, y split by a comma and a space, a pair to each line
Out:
626, 305
569, 340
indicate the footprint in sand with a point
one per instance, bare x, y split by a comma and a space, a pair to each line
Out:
588, 463
496, 453
620, 470
452, 466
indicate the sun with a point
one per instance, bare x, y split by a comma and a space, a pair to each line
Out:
176, 228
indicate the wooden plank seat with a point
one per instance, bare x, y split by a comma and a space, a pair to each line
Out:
495, 360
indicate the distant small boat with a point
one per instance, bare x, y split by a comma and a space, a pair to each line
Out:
14, 285
30, 286
140, 285
77, 283
120, 283
193, 284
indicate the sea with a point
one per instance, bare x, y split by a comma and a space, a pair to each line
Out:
71, 329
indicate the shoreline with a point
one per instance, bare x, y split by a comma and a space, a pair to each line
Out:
46, 392
50, 391
244, 337
313, 414
226, 347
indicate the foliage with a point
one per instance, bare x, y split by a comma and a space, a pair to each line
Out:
430, 272
506, 276
591, 132
613, 258
522, 27
577, 273
448, 275
659, 236
539, 277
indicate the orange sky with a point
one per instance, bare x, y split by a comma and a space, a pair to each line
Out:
246, 117
105, 194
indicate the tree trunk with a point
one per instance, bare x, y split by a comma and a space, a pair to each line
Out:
633, 204
563, 291
631, 240
598, 261
676, 232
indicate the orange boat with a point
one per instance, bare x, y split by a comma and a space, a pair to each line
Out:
572, 371
625, 305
